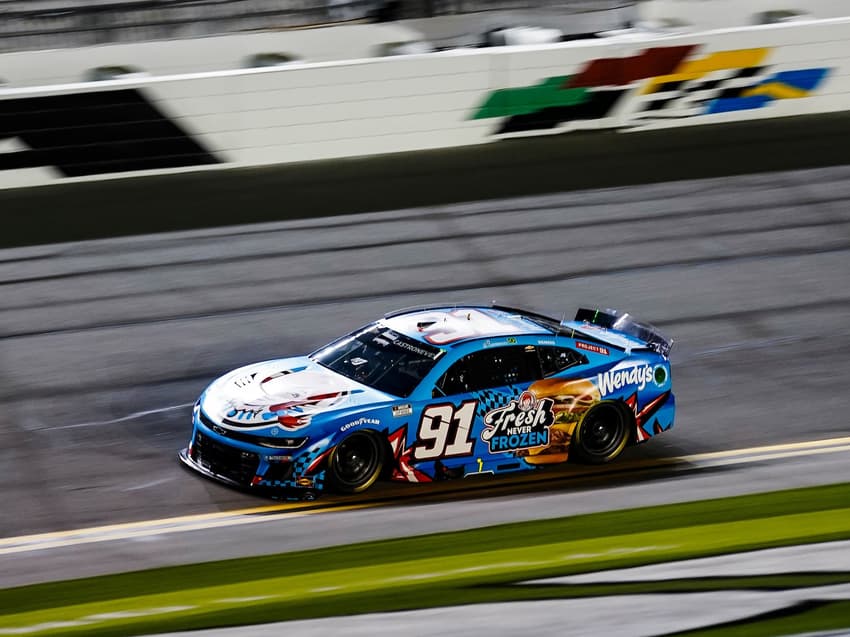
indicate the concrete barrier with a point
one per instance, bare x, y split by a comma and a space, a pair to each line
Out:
510, 167
325, 111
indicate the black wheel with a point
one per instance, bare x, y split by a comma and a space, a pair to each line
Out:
602, 434
356, 463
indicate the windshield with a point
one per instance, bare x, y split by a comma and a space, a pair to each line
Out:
381, 358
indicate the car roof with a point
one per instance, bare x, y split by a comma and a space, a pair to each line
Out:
447, 326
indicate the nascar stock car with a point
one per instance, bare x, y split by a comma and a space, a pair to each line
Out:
436, 393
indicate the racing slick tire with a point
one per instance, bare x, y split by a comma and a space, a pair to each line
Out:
355, 463
602, 434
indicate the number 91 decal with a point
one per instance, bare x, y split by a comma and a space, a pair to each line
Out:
445, 431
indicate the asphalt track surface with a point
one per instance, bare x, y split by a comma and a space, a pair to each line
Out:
105, 345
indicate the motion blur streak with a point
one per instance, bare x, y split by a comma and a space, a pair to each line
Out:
154, 528
115, 421
278, 512
97, 330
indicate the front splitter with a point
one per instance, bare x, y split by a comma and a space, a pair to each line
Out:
281, 493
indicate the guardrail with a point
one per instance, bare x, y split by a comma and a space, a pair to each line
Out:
306, 112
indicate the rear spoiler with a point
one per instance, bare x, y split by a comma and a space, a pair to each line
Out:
611, 319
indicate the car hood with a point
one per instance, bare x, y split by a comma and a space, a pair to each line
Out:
287, 394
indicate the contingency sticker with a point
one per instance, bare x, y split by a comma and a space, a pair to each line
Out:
521, 424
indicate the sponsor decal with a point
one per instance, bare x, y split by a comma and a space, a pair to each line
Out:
304, 481
521, 424
592, 347
510, 340
298, 403
631, 374
245, 380
400, 411
656, 83
545, 341
660, 376
360, 421
311, 404
278, 458
244, 413
221, 431
410, 347
445, 431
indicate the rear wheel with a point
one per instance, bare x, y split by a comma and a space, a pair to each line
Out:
602, 434
356, 463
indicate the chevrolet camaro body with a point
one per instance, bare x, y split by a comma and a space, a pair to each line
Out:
434, 394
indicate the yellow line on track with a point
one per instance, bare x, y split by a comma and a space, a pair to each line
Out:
252, 515
146, 528
783, 454
831, 442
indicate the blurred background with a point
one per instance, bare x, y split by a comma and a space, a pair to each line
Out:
36, 24
188, 186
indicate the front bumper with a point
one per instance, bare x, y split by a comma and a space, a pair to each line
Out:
276, 473
288, 492
187, 460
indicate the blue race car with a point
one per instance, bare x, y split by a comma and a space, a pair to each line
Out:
436, 393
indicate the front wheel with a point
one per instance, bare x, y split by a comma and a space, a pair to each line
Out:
602, 434
355, 463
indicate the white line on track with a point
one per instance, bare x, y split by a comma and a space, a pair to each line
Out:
788, 446
37, 628
93, 619
717, 462
148, 528
89, 536
147, 485
133, 416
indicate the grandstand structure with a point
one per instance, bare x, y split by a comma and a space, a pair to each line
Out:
43, 24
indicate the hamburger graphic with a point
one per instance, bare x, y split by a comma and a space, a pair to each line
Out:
572, 398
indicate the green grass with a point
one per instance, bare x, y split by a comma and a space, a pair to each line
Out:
433, 570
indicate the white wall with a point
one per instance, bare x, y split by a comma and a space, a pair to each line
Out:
364, 107
167, 57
